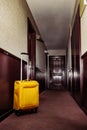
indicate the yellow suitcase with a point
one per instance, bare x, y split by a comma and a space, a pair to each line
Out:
26, 93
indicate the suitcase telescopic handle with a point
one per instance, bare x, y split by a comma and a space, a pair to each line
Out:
24, 53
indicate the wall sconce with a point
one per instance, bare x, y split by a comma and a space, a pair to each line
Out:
45, 51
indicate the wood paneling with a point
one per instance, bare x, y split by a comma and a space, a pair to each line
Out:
31, 38
9, 72
40, 77
84, 86
75, 49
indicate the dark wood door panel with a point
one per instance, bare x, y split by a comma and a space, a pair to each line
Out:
84, 90
75, 52
31, 37
56, 72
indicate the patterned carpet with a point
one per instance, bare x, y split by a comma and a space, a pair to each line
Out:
57, 111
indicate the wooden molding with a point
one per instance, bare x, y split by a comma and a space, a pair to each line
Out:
84, 55
11, 55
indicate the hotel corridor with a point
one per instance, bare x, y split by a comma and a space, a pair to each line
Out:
57, 111
54, 35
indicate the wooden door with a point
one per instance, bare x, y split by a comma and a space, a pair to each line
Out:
56, 72
75, 52
32, 49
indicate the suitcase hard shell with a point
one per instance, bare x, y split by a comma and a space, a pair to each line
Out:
26, 95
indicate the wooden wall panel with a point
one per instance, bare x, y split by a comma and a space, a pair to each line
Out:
9, 72
40, 77
84, 86
75, 49
31, 47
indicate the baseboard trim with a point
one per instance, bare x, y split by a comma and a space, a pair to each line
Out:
2, 117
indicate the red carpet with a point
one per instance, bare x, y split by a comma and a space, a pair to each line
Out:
57, 111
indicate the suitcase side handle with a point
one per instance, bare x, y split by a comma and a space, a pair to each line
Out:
27, 54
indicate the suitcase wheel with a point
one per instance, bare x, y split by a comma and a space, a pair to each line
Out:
34, 110
18, 112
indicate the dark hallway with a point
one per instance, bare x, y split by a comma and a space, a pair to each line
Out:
57, 111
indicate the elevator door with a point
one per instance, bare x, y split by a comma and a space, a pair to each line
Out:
56, 72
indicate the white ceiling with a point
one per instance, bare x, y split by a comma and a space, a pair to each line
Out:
53, 18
